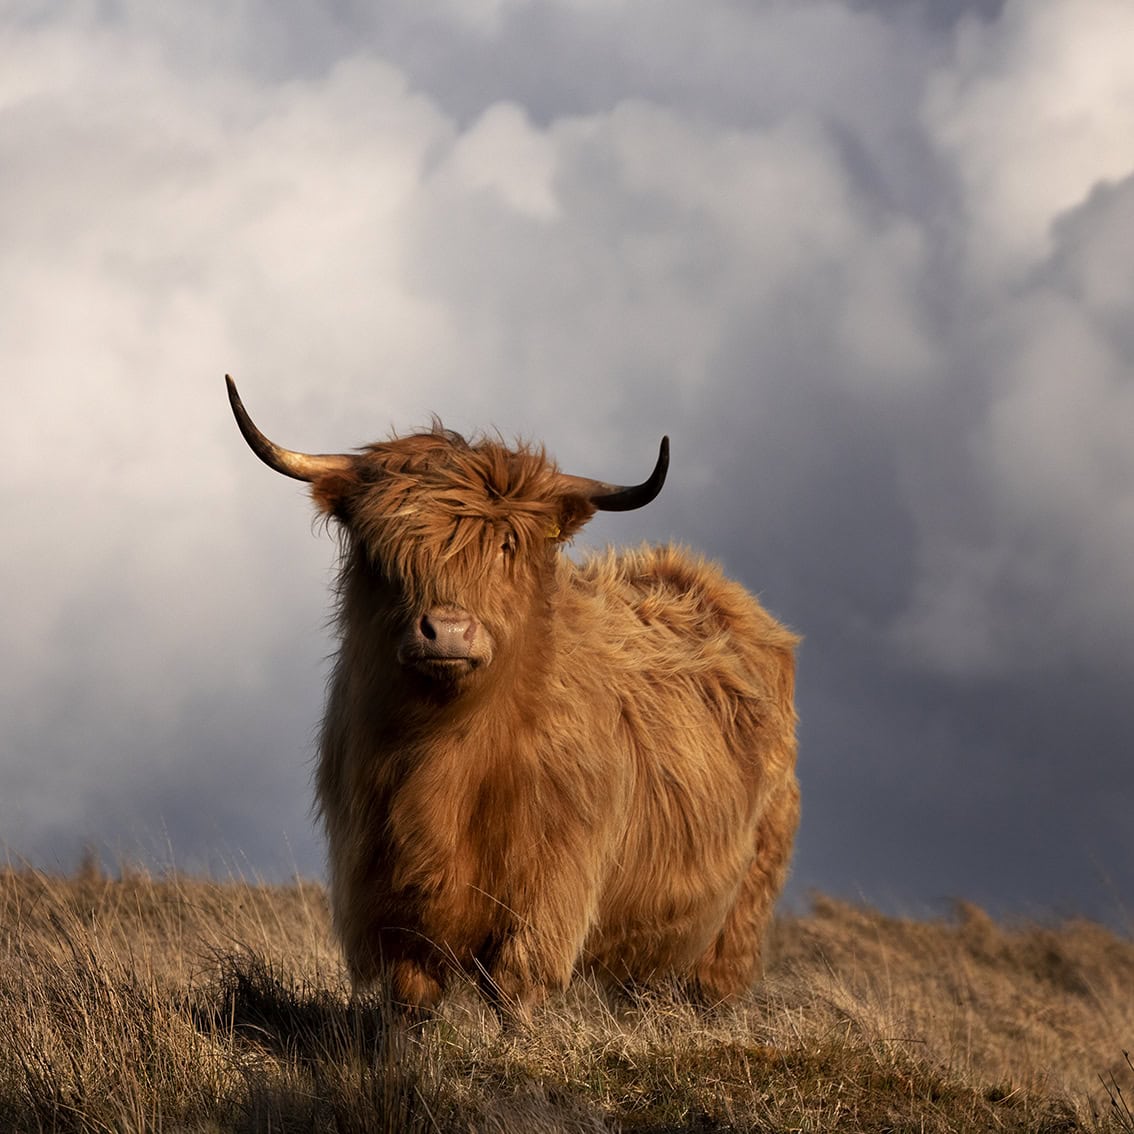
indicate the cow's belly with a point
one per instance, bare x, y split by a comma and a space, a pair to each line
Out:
659, 926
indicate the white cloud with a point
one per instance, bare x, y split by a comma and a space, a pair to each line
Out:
504, 153
1034, 111
166, 237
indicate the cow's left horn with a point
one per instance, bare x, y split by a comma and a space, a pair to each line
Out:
623, 498
302, 466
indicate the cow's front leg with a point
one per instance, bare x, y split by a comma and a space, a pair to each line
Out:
536, 953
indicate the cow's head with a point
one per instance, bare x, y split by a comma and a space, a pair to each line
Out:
450, 545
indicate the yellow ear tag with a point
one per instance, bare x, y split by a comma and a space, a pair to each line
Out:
553, 532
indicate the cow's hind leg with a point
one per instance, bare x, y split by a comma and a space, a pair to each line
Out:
734, 962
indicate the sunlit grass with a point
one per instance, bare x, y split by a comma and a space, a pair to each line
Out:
174, 1003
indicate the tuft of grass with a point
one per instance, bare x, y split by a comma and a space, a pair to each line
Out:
1120, 1108
182, 1004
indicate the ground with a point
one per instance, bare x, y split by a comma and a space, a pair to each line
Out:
139, 1003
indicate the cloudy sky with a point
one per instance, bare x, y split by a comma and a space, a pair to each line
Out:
870, 263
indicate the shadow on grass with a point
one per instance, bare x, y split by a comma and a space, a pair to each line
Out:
291, 1019
310, 1060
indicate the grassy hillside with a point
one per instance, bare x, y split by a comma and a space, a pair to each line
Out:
190, 1005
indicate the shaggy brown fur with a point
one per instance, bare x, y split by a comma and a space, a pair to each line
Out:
607, 782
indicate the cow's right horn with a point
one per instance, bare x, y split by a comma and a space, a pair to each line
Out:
302, 466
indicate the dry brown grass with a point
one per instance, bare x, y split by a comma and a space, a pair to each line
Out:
189, 1005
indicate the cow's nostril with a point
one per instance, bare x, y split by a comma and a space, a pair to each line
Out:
428, 630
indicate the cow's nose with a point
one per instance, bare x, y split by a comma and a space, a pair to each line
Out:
447, 632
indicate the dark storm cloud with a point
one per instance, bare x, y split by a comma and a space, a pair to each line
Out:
867, 263
983, 760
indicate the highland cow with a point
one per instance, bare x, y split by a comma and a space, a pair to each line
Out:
530, 766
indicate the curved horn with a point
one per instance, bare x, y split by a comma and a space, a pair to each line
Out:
302, 466
623, 498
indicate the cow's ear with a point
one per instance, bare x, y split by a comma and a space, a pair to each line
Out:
574, 512
334, 491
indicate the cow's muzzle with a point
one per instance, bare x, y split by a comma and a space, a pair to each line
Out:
445, 642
